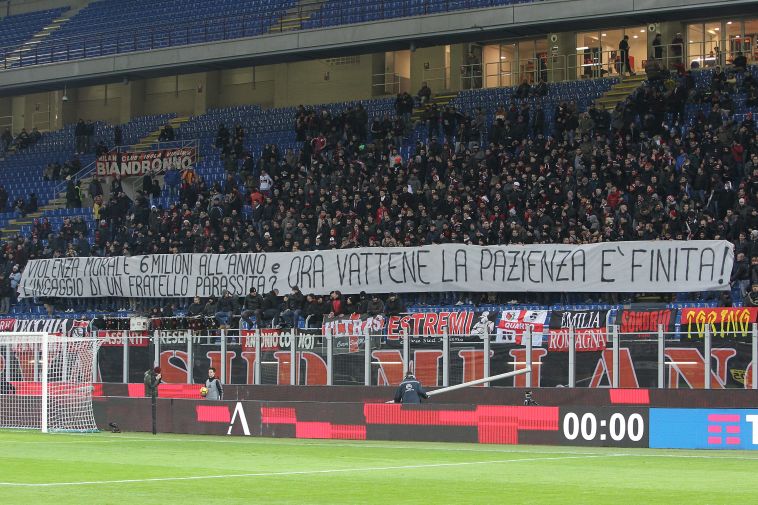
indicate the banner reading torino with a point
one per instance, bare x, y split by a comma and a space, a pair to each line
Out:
645, 266
145, 162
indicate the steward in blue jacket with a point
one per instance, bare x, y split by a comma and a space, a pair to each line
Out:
410, 391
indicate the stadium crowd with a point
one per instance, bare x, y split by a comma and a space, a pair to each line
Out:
633, 173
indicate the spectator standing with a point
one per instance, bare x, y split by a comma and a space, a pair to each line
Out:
658, 47
624, 54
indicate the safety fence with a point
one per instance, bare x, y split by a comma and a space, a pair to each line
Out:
584, 355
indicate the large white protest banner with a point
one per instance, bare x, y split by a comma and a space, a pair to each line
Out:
645, 266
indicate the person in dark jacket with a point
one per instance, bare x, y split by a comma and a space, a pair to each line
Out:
375, 306
751, 299
252, 306
293, 307
394, 306
272, 307
196, 308
410, 391
226, 308
153, 379
624, 54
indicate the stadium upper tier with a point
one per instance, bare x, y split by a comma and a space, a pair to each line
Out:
114, 26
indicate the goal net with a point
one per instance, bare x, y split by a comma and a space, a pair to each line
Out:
46, 381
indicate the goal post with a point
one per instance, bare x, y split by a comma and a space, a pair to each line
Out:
46, 381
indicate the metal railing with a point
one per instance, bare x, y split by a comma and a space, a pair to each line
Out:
390, 83
593, 64
438, 78
700, 359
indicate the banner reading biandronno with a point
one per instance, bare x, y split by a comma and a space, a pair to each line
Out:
645, 266
145, 162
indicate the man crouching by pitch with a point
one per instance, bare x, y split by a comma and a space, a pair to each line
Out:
410, 391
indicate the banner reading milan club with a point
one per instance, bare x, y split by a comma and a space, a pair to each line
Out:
145, 162
610, 267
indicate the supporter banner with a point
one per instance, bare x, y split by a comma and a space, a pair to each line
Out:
428, 327
646, 321
724, 322
72, 327
145, 162
614, 267
115, 338
350, 331
589, 330
513, 325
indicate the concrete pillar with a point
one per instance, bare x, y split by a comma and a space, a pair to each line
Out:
281, 95
427, 64
458, 53
69, 109
132, 98
206, 92
562, 56
668, 30
18, 113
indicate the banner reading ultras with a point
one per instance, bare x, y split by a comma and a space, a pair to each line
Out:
145, 162
612, 267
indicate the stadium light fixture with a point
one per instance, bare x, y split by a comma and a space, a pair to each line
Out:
584, 48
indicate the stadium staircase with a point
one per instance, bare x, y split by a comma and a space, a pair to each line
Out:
14, 226
619, 92
294, 17
29, 46
441, 101
150, 140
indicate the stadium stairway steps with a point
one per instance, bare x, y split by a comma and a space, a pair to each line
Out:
150, 140
41, 35
14, 226
441, 101
293, 18
620, 91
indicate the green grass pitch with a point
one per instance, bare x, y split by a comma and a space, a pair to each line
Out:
106, 468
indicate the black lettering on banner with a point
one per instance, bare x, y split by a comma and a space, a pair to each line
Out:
636, 265
603, 264
689, 251
391, 267
578, 264
443, 268
530, 265
421, 267
461, 261
355, 268
341, 269
94, 286
514, 264
485, 264
710, 262
562, 264
723, 265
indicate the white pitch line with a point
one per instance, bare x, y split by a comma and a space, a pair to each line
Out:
294, 473
300, 443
